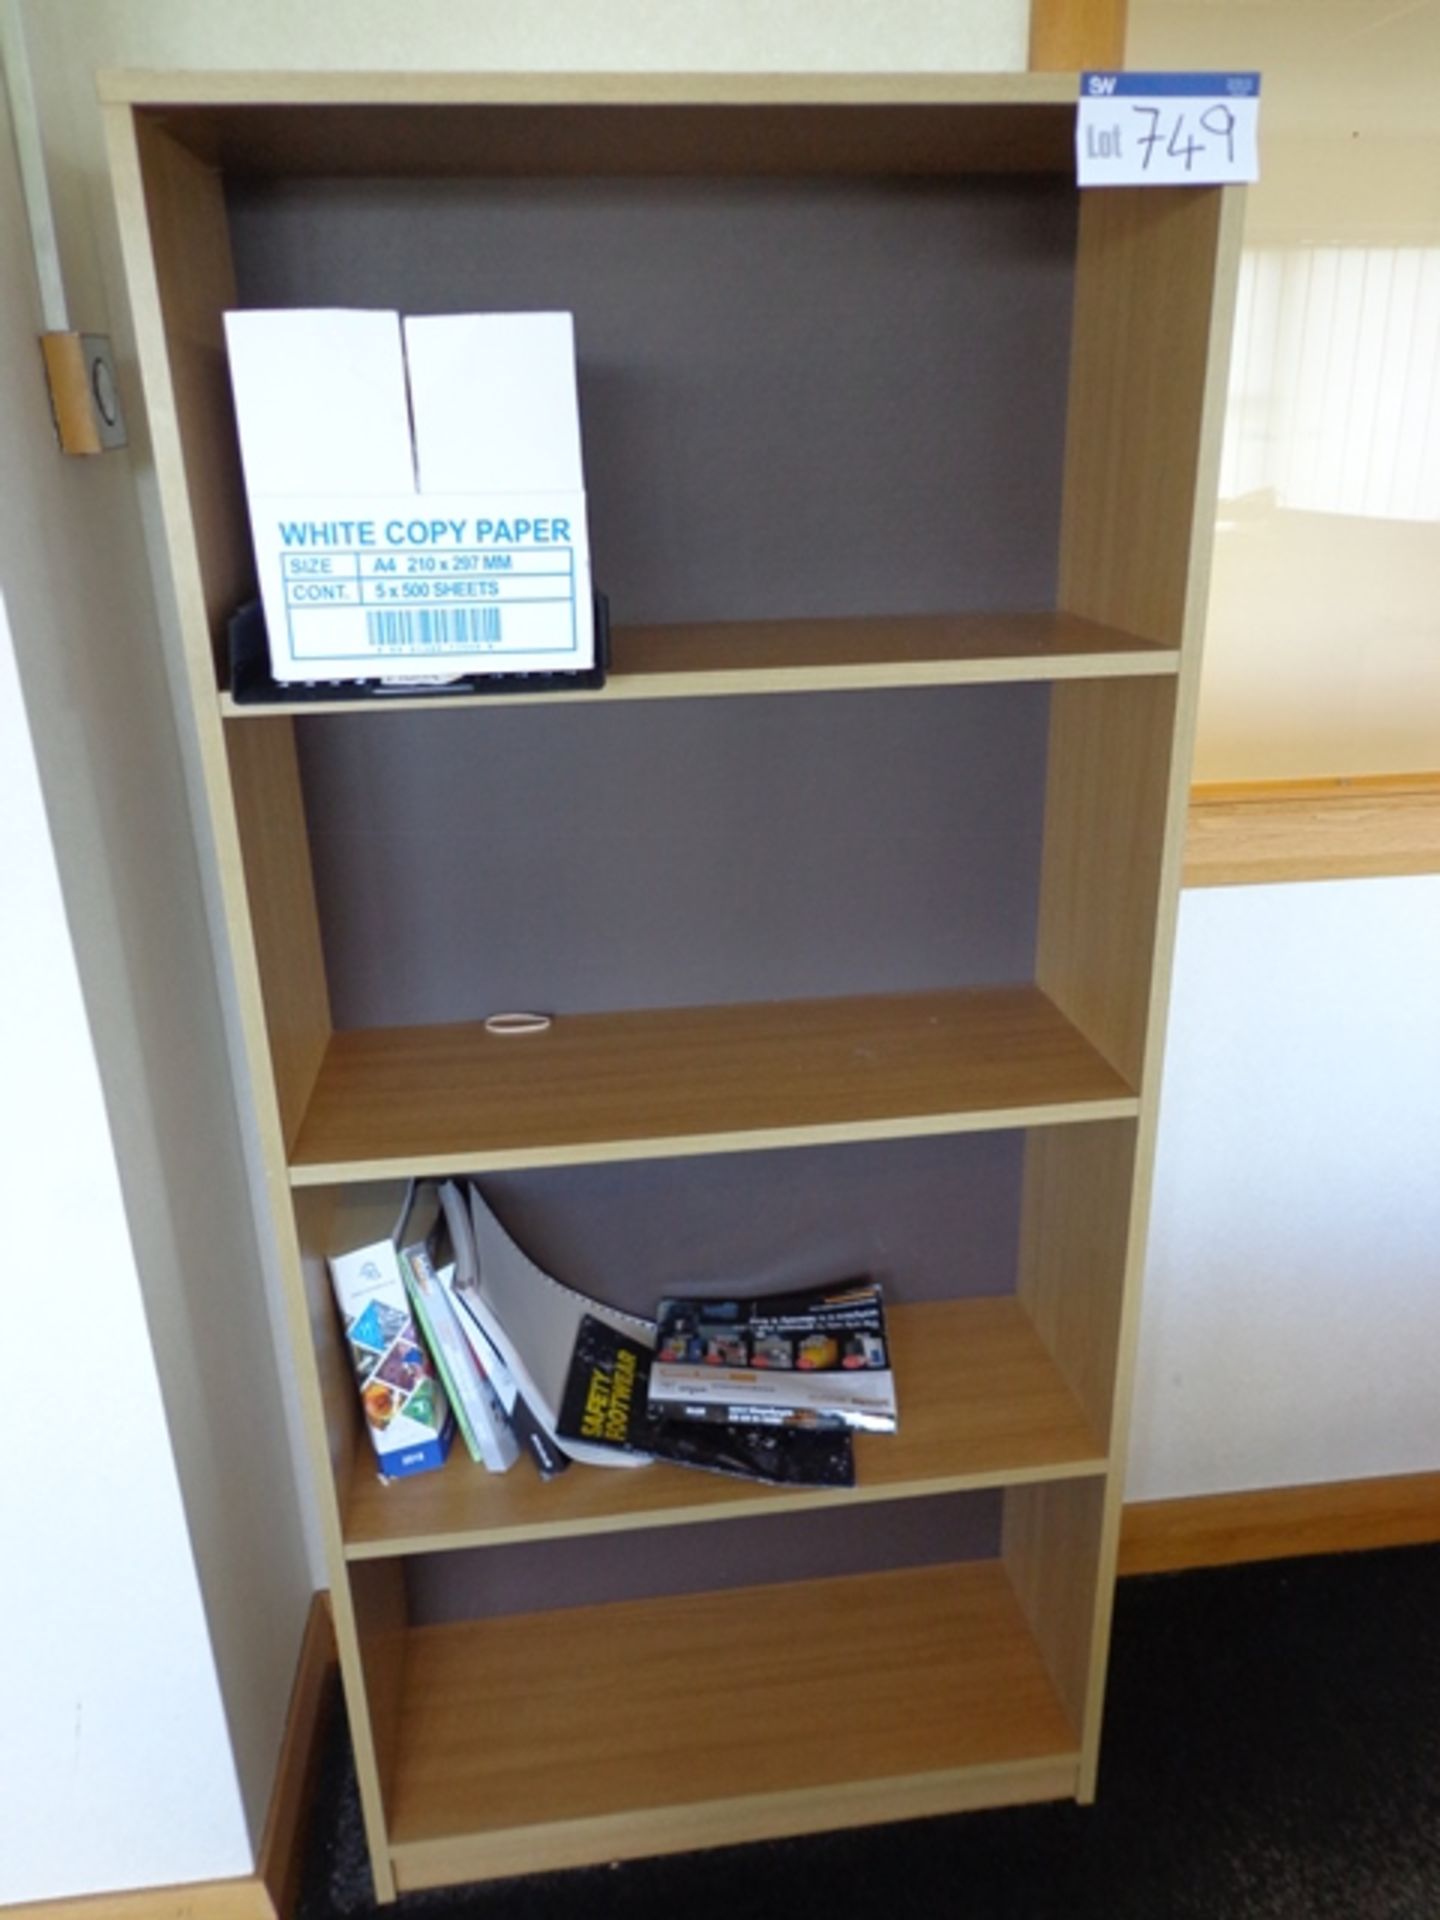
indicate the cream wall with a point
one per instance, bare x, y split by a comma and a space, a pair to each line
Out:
566, 35
101, 1626
1323, 649
1292, 1311
127, 1289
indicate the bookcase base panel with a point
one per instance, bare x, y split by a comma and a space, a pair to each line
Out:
565, 1738
646, 1834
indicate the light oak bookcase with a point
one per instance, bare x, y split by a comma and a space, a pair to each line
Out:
550, 1735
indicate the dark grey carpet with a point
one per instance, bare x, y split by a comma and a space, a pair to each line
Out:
1272, 1753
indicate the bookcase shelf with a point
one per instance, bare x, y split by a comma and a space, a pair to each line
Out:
753, 657
693, 1080
848, 343
564, 1738
985, 1406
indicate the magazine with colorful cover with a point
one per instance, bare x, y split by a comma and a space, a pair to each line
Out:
814, 1358
605, 1404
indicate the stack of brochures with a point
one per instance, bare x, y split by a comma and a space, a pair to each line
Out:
768, 1387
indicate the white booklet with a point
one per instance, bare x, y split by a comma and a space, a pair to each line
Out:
530, 1319
478, 1409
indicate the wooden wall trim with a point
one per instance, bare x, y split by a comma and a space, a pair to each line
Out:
272, 1891
1278, 1523
1361, 827
203, 1900
282, 1844
1068, 35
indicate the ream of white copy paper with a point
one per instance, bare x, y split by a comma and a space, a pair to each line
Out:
321, 404
494, 402
364, 575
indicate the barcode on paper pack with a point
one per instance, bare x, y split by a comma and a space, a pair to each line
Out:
385, 587
434, 628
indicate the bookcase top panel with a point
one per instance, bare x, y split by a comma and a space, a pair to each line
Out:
299, 123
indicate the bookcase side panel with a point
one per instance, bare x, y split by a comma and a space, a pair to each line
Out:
1201, 253
193, 281
170, 208
1208, 228
173, 235
1051, 1541
284, 925
371, 1622
1145, 286
369, 1603
1106, 798
1154, 292
1074, 1242
316, 1234
1155, 279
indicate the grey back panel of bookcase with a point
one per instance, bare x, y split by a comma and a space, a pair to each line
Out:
741, 1553
797, 396
675, 854
931, 1219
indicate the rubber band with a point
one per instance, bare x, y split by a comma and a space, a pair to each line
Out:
506, 1023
